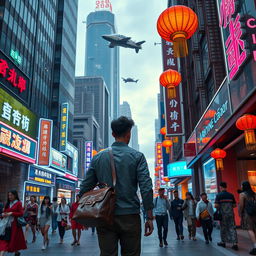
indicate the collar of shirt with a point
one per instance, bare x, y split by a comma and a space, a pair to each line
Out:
119, 144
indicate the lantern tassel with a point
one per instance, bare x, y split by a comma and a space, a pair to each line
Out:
167, 150
250, 139
180, 47
171, 91
219, 164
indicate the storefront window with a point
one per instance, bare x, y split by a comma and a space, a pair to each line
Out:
210, 179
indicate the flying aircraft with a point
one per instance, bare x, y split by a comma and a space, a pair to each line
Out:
123, 41
130, 80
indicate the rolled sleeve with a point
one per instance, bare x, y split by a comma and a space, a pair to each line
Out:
145, 183
90, 180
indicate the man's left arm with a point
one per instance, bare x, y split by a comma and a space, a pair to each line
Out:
234, 201
90, 180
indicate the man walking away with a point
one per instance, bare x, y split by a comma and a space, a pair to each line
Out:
131, 171
204, 213
161, 206
177, 214
225, 202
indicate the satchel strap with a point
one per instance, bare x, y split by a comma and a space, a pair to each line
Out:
113, 168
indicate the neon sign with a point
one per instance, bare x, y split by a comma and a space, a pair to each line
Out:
103, 5
15, 55
64, 126
88, 154
17, 144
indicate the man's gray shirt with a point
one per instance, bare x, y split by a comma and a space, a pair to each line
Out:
132, 171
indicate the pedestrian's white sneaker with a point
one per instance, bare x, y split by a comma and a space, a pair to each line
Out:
43, 247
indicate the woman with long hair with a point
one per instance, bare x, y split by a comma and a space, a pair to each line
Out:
76, 227
247, 202
31, 212
45, 219
12, 210
189, 208
63, 212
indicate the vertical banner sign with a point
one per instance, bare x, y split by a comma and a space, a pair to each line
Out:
159, 162
88, 154
173, 118
45, 142
64, 126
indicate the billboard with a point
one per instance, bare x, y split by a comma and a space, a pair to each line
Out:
41, 175
17, 144
15, 114
64, 126
58, 160
44, 142
88, 154
178, 169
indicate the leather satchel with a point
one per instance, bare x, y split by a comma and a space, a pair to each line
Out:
96, 207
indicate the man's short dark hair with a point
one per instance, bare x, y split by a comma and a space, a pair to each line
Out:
203, 194
223, 184
121, 126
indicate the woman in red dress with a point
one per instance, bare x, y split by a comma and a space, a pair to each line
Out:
76, 227
17, 242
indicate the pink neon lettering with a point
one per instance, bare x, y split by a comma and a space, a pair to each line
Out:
227, 9
236, 53
254, 38
254, 55
249, 23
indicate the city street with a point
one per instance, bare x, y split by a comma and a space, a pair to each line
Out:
89, 246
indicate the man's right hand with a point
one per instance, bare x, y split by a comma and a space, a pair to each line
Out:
149, 227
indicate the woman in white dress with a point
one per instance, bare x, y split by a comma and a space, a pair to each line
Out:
63, 211
45, 219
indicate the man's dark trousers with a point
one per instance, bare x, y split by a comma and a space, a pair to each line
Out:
162, 223
178, 225
127, 230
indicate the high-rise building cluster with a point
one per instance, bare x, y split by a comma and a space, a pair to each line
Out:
50, 120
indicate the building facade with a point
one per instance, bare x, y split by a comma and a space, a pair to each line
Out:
100, 60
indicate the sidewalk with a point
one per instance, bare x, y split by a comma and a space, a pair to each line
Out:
150, 245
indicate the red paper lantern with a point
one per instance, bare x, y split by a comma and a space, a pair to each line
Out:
218, 154
177, 24
156, 174
247, 123
94, 152
167, 144
166, 179
163, 131
170, 79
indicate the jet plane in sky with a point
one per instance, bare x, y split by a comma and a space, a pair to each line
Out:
123, 41
130, 80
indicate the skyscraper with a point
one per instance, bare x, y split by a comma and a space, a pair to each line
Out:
125, 110
64, 65
100, 60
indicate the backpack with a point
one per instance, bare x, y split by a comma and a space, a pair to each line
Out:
250, 206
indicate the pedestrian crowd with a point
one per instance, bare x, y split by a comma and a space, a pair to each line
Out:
201, 214
123, 170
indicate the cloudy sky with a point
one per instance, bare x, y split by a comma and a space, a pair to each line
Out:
137, 19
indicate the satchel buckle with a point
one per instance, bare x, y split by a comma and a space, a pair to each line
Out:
90, 203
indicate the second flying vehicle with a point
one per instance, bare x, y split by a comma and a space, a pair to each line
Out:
123, 41
130, 80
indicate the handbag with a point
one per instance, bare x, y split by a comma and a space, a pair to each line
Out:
204, 214
21, 222
96, 207
7, 234
217, 215
198, 223
64, 223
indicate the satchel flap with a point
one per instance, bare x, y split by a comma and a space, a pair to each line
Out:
94, 196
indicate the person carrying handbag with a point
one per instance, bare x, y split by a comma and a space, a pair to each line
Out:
204, 213
130, 171
63, 212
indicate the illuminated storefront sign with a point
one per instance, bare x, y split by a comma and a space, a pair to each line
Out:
173, 117
13, 113
232, 23
64, 126
159, 162
103, 5
42, 176
15, 55
58, 160
88, 154
178, 169
17, 144
72, 152
45, 141
13, 78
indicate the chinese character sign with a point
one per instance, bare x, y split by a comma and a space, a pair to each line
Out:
159, 160
45, 141
88, 154
103, 5
235, 46
42, 176
15, 114
64, 126
17, 144
13, 78
173, 118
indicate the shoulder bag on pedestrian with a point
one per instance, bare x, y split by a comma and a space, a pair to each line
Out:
217, 215
96, 207
250, 206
